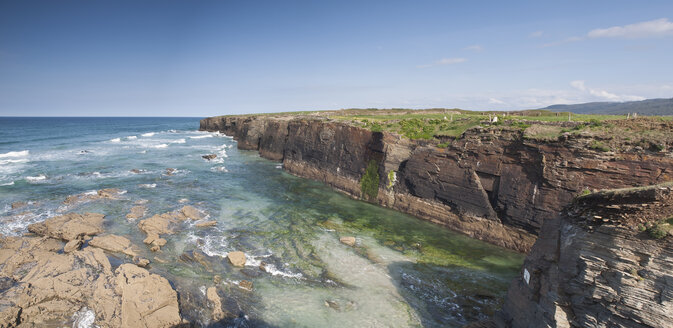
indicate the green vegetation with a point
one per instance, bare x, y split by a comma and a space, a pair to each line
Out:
660, 229
391, 179
597, 145
369, 184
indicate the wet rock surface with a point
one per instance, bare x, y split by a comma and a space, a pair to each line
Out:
597, 266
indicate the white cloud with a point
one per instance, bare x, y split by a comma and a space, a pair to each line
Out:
536, 34
474, 47
653, 28
602, 94
495, 101
444, 61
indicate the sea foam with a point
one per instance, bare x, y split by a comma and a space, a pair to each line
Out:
14, 154
148, 134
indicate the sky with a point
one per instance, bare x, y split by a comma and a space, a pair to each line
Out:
204, 58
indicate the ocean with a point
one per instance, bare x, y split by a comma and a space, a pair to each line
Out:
402, 272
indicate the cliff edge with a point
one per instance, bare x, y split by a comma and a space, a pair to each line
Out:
606, 261
493, 182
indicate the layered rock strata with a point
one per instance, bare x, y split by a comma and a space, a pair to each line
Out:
607, 261
491, 183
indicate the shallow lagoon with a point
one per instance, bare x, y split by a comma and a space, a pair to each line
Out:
403, 272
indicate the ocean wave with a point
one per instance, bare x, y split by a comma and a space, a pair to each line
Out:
13, 154
131, 137
11, 183
179, 141
148, 134
13, 161
219, 169
37, 178
148, 185
160, 146
203, 136
115, 140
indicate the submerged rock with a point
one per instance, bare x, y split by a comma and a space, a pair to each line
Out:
245, 284
137, 212
69, 226
206, 224
350, 241
236, 258
166, 224
109, 193
16, 205
170, 171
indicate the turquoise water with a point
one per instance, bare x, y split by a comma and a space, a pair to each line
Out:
403, 272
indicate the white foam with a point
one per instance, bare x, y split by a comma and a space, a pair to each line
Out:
116, 140
148, 134
13, 154
8, 184
131, 138
203, 136
148, 185
271, 269
84, 318
160, 146
40, 177
219, 169
179, 141
13, 161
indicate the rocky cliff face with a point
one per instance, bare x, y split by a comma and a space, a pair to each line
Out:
492, 183
607, 261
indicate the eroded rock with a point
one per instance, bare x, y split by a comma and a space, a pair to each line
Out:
114, 243
209, 157
69, 226
206, 224
109, 193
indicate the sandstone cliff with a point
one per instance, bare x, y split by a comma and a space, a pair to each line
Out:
607, 261
492, 183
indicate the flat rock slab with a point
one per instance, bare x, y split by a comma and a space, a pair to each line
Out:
69, 226
113, 243
237, 258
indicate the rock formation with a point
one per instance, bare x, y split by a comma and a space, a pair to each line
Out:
607, 261
492, 183
69, 226
46, 287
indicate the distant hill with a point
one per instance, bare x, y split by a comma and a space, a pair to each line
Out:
643, 107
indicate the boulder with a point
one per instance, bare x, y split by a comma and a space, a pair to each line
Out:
170, 171
72, 245
148, 300
215, 302
350, 241
113, 243
141, 262
69, 226
236, 258
206, 224
191, 212
245, 284
209, 157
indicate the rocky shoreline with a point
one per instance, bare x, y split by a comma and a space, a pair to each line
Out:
60, 273
492, 183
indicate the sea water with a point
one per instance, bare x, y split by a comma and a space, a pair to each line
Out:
402, 272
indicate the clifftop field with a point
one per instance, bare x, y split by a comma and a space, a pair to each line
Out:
443, 126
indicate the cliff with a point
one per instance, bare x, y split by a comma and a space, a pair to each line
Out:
492, 183
606, 261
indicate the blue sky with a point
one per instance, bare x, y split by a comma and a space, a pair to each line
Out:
202, 58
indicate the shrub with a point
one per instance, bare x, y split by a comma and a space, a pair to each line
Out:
597, 145
369, 184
